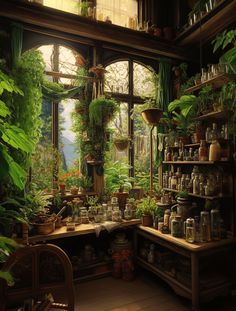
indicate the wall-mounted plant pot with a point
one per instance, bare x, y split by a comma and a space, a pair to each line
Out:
147, 220
121, 145
152, 115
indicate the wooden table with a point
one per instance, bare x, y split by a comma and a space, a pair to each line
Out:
192, 251
79, 230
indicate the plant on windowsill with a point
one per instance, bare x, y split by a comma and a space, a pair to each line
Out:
146, 210
85, 183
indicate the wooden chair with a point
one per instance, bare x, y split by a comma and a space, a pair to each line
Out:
38, 270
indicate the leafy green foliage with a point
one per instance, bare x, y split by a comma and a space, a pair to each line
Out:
147, 206
102, 110
11, 136
7, 246
186, 104
222, 41
117, 176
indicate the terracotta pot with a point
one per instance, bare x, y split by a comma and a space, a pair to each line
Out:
74, 190
152, 115
121, 145
45, 228
147, 220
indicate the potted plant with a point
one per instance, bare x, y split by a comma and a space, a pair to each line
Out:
102, 110
85, 183
146, 209
73, 181
36, 212
205, 99
121, 143
150, 112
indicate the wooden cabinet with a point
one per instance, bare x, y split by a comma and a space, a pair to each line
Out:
198, 272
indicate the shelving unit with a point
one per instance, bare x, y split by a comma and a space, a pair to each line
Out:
215, 82
198, 195
195, 253
196, 162
209, 25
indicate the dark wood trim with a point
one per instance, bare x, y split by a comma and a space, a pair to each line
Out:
38, 15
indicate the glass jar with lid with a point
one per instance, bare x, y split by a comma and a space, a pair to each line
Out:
84, 215
177, 227
116, 214
190, 230
128, 212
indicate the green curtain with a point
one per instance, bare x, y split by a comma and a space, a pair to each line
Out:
164, 96
16, 42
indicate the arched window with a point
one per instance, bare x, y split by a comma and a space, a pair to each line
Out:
58, 140
131, 82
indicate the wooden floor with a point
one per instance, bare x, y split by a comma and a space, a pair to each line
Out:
145, 293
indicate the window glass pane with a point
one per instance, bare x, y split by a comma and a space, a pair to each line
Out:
116, 77
142, 151
120, 12
70, 6
67, 135
144, 83
47, 51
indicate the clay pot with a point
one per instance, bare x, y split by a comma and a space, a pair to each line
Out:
147, 220
152, 115
121, 145
74, 190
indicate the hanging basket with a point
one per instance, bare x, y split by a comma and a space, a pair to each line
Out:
121, 144
152, 115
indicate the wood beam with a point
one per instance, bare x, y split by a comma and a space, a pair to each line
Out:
38, 15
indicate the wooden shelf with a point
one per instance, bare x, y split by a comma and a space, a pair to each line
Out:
214, 115
196, 247
215, 82
210, 24
196, 162
198, 195
92, 276
164, 275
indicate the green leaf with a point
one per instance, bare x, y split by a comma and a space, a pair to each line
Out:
15, 171
16, 138
7, 277
4, 111
229, 58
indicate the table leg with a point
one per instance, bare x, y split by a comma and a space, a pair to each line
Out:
195, 281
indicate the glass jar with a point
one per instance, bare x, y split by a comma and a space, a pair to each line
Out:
84, 215
128, 212
215, 150
174, 182
205, 227
190, 230
203, 151
215, 224
197, 237
208, 134
109, 213
177, 227
116, 214
166, 218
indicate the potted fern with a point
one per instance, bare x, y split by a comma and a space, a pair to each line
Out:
145, 210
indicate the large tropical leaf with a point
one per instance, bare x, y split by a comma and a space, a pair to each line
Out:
8, 84
7, 277
229, 58
183, 103
4, 111
16, 137
15, 171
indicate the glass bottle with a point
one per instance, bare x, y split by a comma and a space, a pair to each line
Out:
190, 230
208, 134
84, 215
174, 182
205, 227
109, 213
215, 224
166, 218
177, 227
196, 185
214, 151
203, 151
